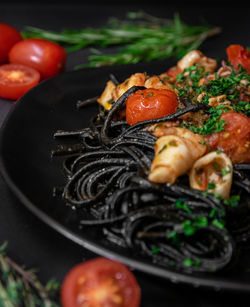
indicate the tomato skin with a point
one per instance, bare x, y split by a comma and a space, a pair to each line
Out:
45, 56
150, 104
173, 71
9, 36
100, 282
238, 55
235, 140
15, 80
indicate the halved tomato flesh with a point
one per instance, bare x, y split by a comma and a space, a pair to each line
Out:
15, 80
100, 282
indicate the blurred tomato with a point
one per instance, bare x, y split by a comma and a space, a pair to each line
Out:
45, 56
173, 71
9, 36
238, 55
100, 282
235, 140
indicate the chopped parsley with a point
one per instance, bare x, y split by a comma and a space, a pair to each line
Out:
190, 227
226, 171
213, 124
216, 166
180, 204
155, 250
173, 143
150, 94
173, 235
163, 148
194, 74
226, 85
203, 143
213, 213
232, 201
188, 262
190, 87
211, 186
242, 107
219, 223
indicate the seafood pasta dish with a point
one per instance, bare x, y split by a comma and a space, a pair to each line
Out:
163, 169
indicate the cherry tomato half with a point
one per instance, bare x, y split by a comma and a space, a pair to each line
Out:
235, 140
238, 55
100, 282
9, 36
150, 104
15, 80
43, 55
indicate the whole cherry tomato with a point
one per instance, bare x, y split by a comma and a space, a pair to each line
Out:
100, 282
235, 140
238, 55
15, 80
150, 104
43, 55
9, 36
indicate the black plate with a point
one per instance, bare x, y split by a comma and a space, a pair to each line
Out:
26, 144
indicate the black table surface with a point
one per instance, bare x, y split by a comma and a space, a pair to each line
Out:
30, 241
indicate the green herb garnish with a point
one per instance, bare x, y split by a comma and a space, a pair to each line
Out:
232, 201
212, 125
145, 38
180, 203
188, 262
226, 171
163, 148
219, 223
19, 287
243, 107
227, 85
173, 143
155, 250
190, 227
211, 186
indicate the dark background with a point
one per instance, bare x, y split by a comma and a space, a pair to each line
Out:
30, 241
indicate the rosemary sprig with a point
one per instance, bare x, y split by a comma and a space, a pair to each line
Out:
144, 37
21, 288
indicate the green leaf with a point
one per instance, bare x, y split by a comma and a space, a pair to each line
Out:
19, 287
143, 36
219, 223
155, 250
232, 201
188, 228
180, 203
188, 262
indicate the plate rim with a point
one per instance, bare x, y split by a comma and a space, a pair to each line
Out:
149, 268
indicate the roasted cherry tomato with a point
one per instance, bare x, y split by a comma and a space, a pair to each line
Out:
15, 80
173, 71
235, 140
238, 55
43, 55
100, 282
150, 104
9, 36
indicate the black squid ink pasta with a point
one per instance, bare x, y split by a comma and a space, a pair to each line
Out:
172, 224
